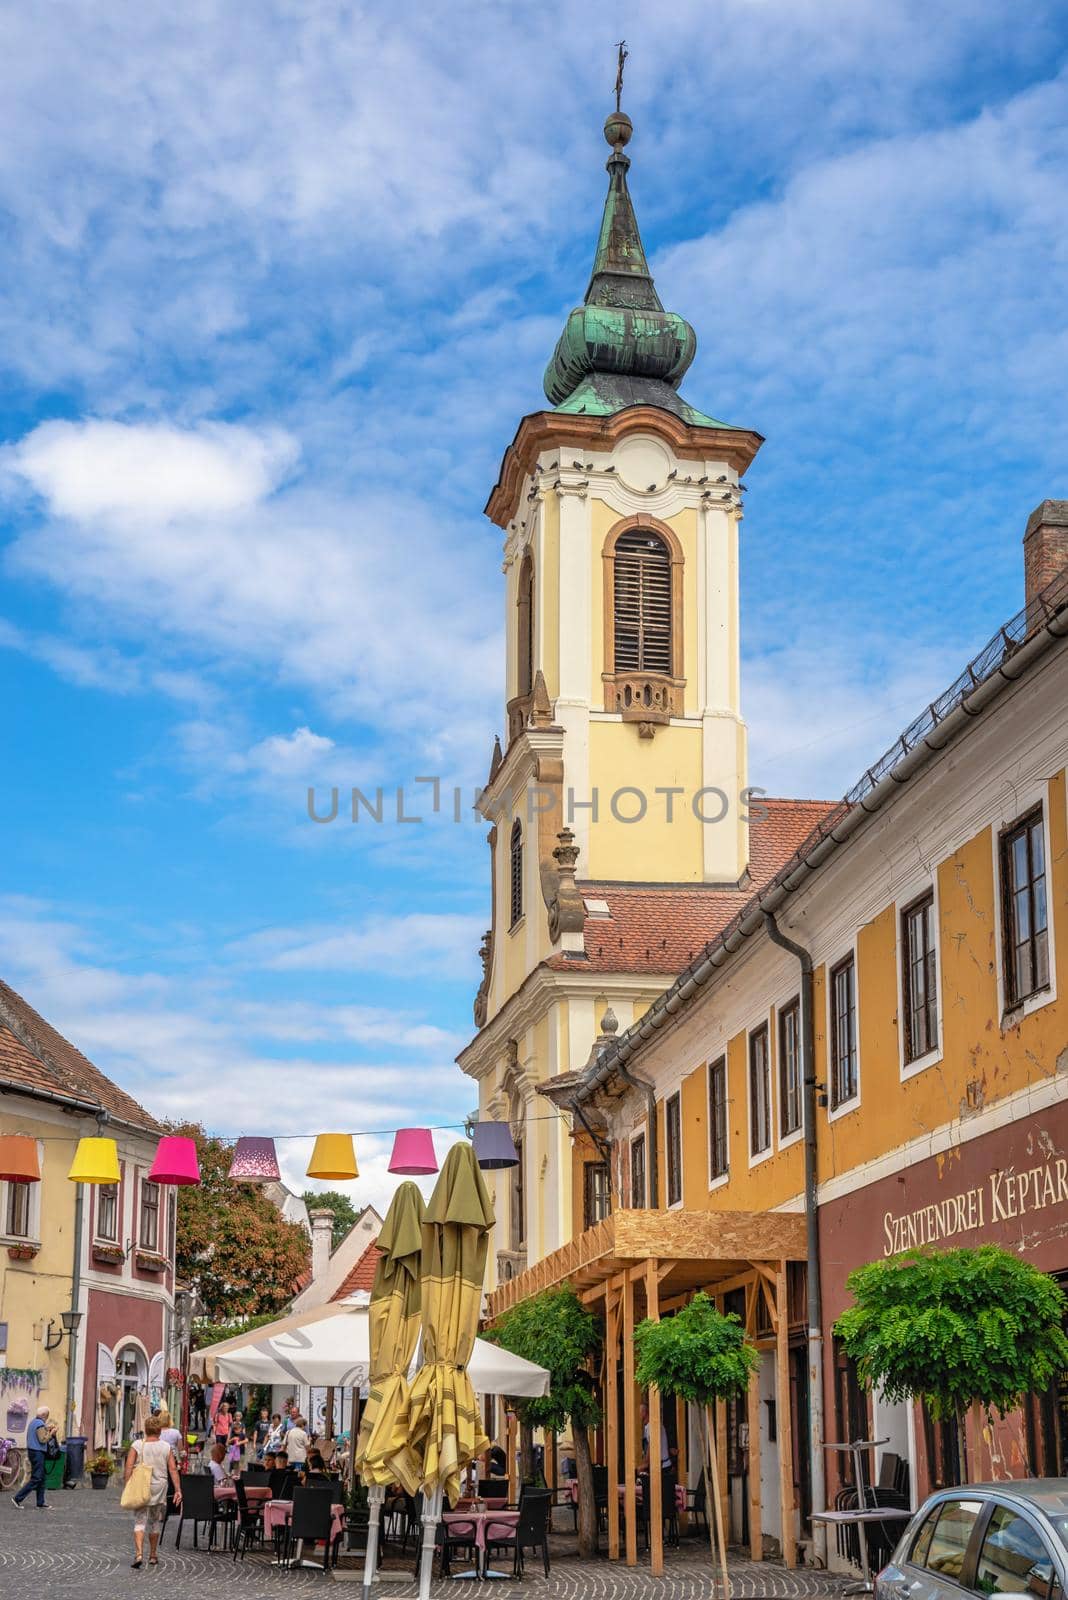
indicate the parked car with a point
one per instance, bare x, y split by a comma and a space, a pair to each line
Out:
984, 1539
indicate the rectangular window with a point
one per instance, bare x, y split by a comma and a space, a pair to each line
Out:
1023, 909
759, 1092
843, 1032
148, 1230
673, 1147
17, 1220
517, 1218
637, 1172
718, 1155
594, 1193
790, 1068
919, 986
107, 1213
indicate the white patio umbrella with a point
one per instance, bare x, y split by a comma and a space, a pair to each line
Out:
331, 1347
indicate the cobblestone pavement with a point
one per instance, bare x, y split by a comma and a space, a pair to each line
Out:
82, 1551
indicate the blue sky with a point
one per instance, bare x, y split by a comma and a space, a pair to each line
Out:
278, 282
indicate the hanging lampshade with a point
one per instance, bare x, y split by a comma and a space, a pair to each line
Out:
494, 1146
176, 1161
254, 1161
18, 1159
333, 1157
413, 1153
95, 1161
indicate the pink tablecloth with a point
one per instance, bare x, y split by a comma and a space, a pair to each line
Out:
481, 1524
680, 1493
277, 1513
226, 1491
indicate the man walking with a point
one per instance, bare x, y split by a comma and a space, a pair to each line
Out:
37, 1436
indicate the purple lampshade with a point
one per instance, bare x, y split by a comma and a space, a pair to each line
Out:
176, 1161
494, 1146
254, 1161
413, 1153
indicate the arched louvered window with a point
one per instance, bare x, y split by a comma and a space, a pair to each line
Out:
525, 627
515, 873
642, 601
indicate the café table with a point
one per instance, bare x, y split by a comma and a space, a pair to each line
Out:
856, 1518
477, 1523
680, 1493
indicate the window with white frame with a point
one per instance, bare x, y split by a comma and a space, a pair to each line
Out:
759, 1092
843, 1032
17, 1211
718, 1149
148, 1228
919, 981
673, 1147
790, 1068
107, 1213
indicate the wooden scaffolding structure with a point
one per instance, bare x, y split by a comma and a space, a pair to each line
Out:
639, 1264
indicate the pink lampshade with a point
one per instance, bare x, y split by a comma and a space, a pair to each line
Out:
413, 1153
176, 1161
254, 1161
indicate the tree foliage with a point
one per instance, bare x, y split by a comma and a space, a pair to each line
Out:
955, 1326
698, 1353
345, 1213
205, 1333
557, 1331
232, 1244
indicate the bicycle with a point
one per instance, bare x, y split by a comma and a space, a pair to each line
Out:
11, 1464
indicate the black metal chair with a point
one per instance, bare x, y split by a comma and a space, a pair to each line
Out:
696, 1507
312, 1521
531, 1531
460, 1537
256, 1478
669, 1506
412, 1527
493, 1488
199, 1505
600, 1496
249, 1526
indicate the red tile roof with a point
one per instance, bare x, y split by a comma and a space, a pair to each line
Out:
361, 1276
34, 1056
660, 928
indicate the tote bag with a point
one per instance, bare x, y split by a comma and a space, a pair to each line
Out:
137, 1491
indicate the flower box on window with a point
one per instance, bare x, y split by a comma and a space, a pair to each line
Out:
22, 1252
110, 1255
150, 1261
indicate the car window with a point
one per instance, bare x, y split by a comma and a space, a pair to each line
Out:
945, 1549
1014, 1558
922, 1542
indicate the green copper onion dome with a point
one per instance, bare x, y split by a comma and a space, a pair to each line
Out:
620, 347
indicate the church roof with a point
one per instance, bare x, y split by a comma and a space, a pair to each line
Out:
620, 348
660, 928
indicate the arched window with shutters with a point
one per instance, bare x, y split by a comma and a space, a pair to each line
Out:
515, 873
643, 622
525, 628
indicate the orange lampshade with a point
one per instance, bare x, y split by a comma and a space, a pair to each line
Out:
18, 1158
333, 1157
95, 1161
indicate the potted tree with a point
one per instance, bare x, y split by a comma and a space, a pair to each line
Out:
101, 1467
557, 1331
959, 1329
703, 1356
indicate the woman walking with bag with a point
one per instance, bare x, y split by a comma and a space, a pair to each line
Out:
149, 1464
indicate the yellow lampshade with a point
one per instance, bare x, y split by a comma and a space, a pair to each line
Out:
333, 1157
95, 1161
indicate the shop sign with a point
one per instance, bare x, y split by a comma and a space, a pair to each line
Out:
1006, 1194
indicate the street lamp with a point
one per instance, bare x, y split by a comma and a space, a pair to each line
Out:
69, 1321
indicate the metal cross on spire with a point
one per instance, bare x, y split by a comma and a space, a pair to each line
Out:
620, 62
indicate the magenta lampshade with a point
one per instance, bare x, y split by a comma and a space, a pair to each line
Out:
413, 1153
254, 1161
494, 1146
176, 1161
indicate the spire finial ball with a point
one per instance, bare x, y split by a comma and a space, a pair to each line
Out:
618, 129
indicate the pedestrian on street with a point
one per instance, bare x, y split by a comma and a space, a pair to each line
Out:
38, 1434
223, 1423
297, 1443
153, 1452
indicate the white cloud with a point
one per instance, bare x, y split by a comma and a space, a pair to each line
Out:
432, 944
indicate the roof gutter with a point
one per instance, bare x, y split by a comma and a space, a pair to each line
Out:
830, 835
67, 1102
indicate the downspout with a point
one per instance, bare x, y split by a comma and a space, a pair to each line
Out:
817, 1473
75, 1297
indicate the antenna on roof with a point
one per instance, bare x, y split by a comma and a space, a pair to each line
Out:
623, 53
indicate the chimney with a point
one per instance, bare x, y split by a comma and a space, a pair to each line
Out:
1045, 549
322, 1227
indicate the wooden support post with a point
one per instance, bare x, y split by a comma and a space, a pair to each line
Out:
656, 1476
629, 1498
783, 1419
752, 1412
682, 1434
722, 1454
611, 1424
718, 1525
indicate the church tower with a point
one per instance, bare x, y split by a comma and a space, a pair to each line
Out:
623, 768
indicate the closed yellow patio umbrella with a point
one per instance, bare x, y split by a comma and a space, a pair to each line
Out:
381, 1451
445, 1430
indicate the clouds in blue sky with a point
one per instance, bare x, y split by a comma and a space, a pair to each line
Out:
278, 282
